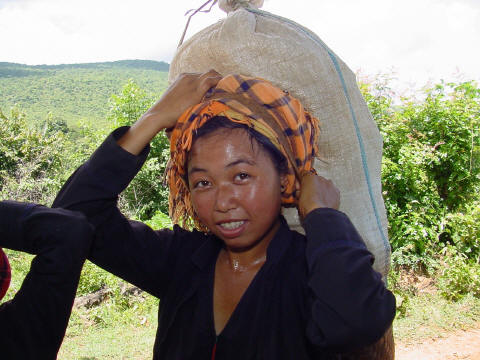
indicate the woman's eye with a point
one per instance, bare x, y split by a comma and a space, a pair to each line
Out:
201, 184
242, 176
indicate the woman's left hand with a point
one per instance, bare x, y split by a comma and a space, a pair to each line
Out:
317, 192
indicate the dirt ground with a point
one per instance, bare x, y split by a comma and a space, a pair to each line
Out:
461, 344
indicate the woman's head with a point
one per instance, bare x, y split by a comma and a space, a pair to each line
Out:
271, 121
235, 186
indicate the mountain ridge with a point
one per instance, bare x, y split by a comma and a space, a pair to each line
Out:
135, 63
73, 92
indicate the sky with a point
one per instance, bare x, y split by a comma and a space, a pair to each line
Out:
417, 42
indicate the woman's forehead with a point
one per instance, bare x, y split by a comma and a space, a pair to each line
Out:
224, 146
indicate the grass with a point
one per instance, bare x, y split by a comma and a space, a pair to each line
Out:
116, 341
429, 307
20, 264
112, 330
430, 316
122, 327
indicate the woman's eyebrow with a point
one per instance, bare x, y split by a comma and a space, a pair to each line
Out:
196, 169
241, 161
233, 163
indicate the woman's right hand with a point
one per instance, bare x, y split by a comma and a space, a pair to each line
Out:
187, 90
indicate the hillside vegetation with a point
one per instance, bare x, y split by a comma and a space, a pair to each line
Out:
68, 93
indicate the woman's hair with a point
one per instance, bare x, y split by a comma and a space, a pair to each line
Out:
222, 122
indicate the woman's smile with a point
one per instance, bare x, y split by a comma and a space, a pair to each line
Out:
232, 229
232, 224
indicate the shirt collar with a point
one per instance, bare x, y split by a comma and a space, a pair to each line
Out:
207, 252
280, 242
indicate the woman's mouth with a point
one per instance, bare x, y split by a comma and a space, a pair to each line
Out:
232, 225
232, 229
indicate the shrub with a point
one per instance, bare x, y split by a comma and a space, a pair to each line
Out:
430, 169
463, 229
31, 160
159, 221
94, 278
459, 277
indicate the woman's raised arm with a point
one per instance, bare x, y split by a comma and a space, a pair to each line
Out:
186, 91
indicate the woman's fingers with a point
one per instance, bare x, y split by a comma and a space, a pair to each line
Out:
193, 86
210, 79
317, 192
187, 90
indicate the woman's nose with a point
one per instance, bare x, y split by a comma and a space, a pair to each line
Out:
225, 198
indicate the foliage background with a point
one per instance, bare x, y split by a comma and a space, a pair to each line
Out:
431, 180
69, 93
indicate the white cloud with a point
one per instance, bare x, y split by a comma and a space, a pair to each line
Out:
420, 39
56, 31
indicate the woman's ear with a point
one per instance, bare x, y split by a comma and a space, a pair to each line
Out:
283, 183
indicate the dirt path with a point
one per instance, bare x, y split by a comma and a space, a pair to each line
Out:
461, 344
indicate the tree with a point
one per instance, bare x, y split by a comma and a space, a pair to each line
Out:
147, 194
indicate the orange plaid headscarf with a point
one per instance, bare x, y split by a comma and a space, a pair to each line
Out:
257, 104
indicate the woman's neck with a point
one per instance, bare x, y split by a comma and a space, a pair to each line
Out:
240, 262
243, 260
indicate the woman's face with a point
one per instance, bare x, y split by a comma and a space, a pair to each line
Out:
235, 188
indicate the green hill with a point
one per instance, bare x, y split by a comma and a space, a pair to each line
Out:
72, 92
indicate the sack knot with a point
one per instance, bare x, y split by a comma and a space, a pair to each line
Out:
232, 5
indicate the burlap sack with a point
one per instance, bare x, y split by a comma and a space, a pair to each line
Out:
257, 43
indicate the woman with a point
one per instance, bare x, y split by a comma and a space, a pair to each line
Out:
242, 285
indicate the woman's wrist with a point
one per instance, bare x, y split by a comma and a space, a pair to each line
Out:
141, 133
305, 210
136, 138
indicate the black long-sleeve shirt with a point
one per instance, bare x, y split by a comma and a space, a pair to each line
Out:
33, 323
315, 294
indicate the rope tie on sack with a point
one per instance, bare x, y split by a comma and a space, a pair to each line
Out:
192, 13
225, 5
232, 5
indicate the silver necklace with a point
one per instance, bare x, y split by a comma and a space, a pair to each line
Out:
237, 267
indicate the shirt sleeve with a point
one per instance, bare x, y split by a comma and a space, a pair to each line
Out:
128, 249
350, 304
12, 214
35, 320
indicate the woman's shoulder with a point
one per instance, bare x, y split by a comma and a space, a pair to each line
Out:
187, 240
290, 243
